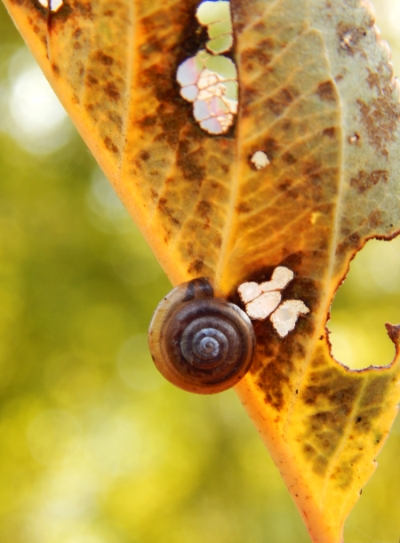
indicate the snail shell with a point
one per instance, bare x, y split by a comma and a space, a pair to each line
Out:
198, 342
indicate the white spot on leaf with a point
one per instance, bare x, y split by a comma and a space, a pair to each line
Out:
249, 291
279, 280
354, 139
346, 41
52, 5
260, 160
263, 305
263, 299
285, 317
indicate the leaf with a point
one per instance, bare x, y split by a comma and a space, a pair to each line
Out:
318, 101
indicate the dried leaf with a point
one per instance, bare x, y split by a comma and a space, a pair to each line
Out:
309, 172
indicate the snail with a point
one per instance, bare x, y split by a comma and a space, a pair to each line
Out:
198, 342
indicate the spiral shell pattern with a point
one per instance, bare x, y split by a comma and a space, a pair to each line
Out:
198, 342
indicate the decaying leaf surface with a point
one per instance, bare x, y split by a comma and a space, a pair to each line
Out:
318, 99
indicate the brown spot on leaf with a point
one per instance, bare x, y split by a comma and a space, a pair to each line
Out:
144, 155
272, 380
116, 119
110, 145
380, 118
375, 219
192, 165
196, 266
104, 59
154, 195
354, 239
243, 207
343, 475
112, 92
308, 450
91, 80
376, 389
270, 146
281, 100
83, 8
364, 420
218, 240
289, 158
373, 80
366, 180
257, 57
204, 209
147, 121
168, 212
326, 91
320, 465
329, 132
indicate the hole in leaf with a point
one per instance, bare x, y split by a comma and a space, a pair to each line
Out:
368, 298
216, 17
209, 79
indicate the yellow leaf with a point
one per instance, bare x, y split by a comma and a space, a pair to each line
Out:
307, 172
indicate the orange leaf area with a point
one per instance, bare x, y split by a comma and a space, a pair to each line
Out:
318, 100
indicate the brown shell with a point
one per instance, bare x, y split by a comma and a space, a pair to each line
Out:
190, 318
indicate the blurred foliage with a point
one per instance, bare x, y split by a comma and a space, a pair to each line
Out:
94, 446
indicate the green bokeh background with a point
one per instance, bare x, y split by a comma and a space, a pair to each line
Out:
94, 446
